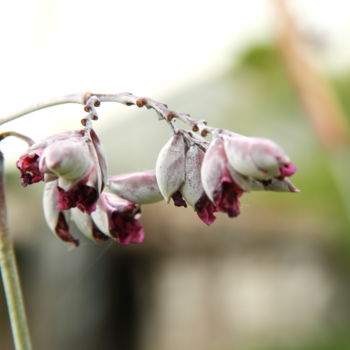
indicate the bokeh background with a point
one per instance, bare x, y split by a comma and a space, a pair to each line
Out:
275, 278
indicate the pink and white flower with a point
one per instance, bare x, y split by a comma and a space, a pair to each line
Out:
235, 164
217, 181
192, 190
258, 158
170, 169
75, 161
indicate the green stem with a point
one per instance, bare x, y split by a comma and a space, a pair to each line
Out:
10, 277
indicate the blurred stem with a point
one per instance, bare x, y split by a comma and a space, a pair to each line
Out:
321, 104
10, 276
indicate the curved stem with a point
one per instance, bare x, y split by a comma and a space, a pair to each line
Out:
10, 276
22, 137
125, 98
75, 98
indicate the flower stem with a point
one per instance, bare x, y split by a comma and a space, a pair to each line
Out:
10, 277
92, 100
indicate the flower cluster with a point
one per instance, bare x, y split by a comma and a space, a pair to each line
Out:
208, 176
73, 166
211, 178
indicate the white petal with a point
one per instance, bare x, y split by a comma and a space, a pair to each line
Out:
67, 159
49, 205
268, 156
244, 182
238, 151
83, 222
213, 167
72, 134
100, 218
100, 159
170, 166
141, 187
56, 220
192, 189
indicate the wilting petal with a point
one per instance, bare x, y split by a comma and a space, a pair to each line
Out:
56, 219
178, 199
226, 199
117, 218
205, 209
28, 165
170, 166
86, 225
141, 187
81, 196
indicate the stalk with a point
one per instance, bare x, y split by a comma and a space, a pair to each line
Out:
10, 276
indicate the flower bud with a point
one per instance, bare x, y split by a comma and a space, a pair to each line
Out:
67, 159
170, 166
258, 158
140, 187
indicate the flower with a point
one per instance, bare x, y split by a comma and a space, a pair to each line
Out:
192, 190
217, 181
77, 163
118, 218
170, 169
236, 164
259, 158
139, 187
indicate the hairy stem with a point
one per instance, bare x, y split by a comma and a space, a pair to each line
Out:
10, 277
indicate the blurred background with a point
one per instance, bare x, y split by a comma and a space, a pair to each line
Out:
275, 278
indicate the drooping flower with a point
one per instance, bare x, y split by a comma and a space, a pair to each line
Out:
170, 169
28, 163
217, 181
118, 218
75, 161
192, 190
139, 187
258, 158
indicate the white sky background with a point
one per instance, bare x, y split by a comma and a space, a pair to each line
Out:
148, 47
